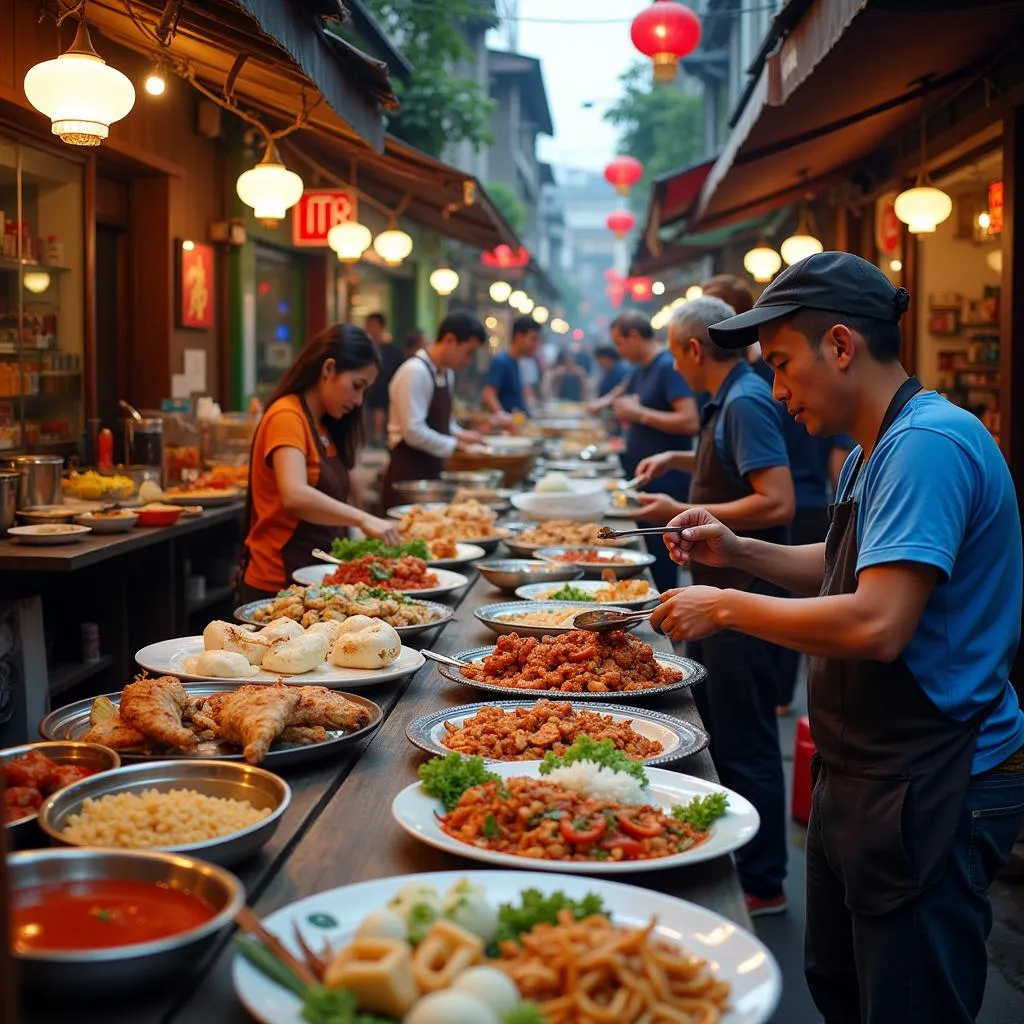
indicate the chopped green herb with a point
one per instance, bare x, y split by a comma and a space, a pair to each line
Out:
447, 778
525, 1013
570, 593
419, 921
701, 812
603, 753
536, 908
351, 550
490, 829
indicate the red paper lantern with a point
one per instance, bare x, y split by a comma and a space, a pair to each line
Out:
577, 334
620, 223
616, 292
666, 32
624, 172
504, 257
640, 288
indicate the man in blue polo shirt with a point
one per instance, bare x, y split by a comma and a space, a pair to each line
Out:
503, 386
919, 770
741, 471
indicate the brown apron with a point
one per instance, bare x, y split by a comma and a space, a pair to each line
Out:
334, 482
710, 484
408, 463
891, 770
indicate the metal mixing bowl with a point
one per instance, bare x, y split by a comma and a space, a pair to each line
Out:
634, 564
72, 974
416, 492
509, 573
233, 779
25, 831
481, 479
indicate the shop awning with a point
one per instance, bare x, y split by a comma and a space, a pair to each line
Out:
404, 180
273, 52
689, 247
842, 76
672, 199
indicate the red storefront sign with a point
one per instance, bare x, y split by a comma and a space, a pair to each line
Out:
995, 207
317, 212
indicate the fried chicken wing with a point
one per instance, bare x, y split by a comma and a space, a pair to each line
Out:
255, 716
320, 706
117, 734
156, 708
303, 734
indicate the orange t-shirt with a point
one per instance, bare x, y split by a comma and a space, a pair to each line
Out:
284, 425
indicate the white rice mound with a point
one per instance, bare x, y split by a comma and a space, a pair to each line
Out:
594, 780
152, 819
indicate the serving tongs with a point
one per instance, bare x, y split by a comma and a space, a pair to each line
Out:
443, 659
604, 621
607, 533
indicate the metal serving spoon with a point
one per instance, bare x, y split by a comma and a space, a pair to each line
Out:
443, 659
602, 621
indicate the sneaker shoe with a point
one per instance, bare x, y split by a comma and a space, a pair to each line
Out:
758, 907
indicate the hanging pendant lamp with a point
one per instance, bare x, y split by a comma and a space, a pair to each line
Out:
923, 207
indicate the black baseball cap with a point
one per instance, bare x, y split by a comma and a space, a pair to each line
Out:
837, 282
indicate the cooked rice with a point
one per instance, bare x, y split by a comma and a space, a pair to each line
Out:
156, 819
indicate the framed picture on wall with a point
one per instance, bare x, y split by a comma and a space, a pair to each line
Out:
943, 321
195, 285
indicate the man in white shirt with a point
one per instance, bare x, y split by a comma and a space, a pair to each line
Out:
422, 433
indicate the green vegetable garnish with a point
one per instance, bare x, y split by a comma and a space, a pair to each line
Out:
351, 550
420, 920
379, 571
570, 593
525, 1013
490, 829
447, 778
536, 908
603, 753
702, 812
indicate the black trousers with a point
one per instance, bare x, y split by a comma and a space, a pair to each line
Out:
737, 705
809, 526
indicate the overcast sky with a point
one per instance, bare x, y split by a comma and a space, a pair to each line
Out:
581, 62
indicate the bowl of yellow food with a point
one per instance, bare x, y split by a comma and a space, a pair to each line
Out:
93, 486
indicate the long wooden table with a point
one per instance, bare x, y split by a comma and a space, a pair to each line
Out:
339, 830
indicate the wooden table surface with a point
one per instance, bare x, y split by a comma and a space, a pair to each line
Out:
339, 830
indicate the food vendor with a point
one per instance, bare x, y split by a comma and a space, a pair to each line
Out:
503, 389
422, 433
303, 449
919, 768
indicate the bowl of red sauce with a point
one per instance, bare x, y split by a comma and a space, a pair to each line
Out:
89, 921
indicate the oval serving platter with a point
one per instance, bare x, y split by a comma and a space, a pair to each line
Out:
443, 614
490, 615
678, 738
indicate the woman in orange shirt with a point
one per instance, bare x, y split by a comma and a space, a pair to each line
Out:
304, 447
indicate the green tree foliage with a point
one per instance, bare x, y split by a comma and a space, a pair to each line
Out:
658, 124
509, 205
438, 107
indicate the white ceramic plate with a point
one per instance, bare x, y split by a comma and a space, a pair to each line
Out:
540, 591
447, 581
624, 562
442, 614
48, 533
417, 814
104, 524
692, 673
492, 615
678, 739
582, 508
734, 954
463, 553
178, 657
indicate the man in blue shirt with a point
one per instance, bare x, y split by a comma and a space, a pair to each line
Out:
658, 408
740, 471
614, 370
503, 386
919, 764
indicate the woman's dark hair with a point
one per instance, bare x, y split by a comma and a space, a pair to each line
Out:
351, 348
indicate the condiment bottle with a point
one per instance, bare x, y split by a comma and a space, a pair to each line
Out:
105, 450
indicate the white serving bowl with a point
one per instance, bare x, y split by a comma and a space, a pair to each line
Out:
583, 508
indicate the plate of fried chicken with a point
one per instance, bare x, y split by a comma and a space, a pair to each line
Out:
160, 718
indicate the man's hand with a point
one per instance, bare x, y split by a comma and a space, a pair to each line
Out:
654, 466
689, 613
627, 409
657, 508
502, 419
472, 437
701, 538
385, 530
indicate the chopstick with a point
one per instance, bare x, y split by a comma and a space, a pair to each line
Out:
252, 925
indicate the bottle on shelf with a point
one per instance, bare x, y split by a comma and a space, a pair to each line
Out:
105, 450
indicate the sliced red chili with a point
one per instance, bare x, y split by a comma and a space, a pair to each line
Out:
582, 830
637, 829
631, 848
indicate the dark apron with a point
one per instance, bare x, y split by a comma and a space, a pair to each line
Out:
891, 770
710, 484
334, 482
408, 463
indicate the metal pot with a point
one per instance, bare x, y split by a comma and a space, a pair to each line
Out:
10, 479
40, 479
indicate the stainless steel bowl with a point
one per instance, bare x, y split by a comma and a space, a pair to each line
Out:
415, 492
71, 974
636, 561
41, 478
509, 573
25, 831
231, 779
45, 514
483, 479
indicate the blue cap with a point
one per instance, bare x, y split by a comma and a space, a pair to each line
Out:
837, 282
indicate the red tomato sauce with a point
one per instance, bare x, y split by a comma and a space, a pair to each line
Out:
101, 914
